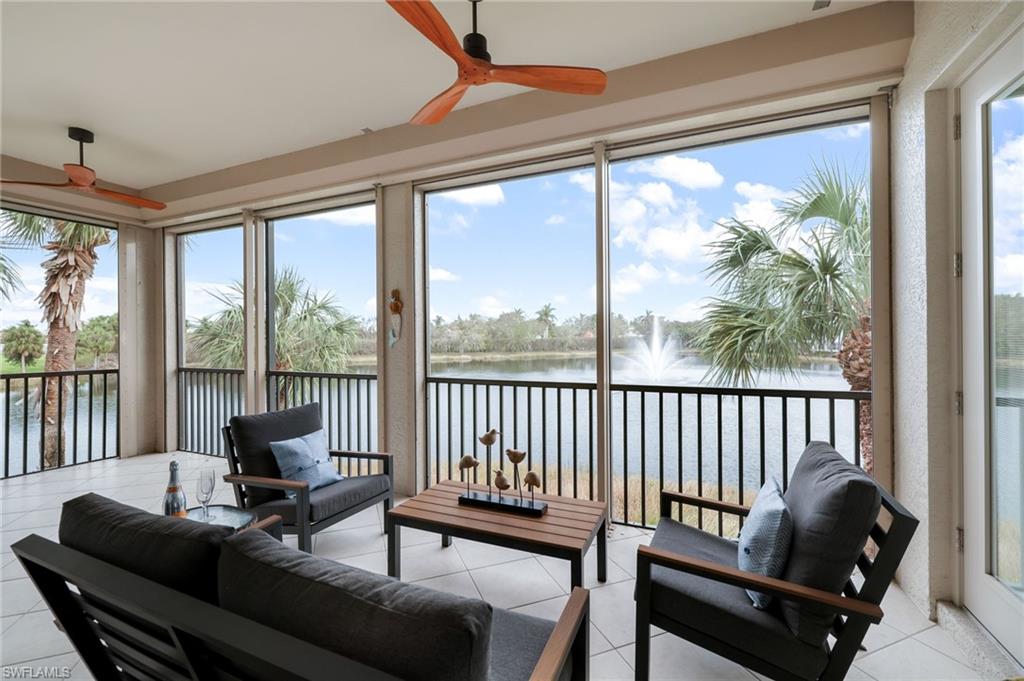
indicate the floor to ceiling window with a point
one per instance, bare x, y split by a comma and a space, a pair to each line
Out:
512, 325
322, 319
58, 342
211, 336
740, 294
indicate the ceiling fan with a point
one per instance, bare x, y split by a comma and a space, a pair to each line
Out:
83, 178
475, 67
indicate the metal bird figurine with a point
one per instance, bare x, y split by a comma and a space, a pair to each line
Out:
466, 464
531, 480
490, 437
501, 482
516, 457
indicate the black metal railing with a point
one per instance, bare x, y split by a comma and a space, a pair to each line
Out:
59, 418
207, 398
348, 408
716, 442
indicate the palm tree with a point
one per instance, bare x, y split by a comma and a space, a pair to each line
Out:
797, 287
311, 331
23, 342
546, 316
72, 246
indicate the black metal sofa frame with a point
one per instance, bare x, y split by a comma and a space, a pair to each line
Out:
126, 627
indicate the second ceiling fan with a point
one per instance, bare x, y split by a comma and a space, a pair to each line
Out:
475, 67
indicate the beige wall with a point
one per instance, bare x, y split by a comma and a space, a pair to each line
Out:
141, 341
949, 37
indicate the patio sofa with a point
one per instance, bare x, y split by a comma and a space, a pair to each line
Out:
143, 596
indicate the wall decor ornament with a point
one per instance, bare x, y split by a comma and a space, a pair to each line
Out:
395, 306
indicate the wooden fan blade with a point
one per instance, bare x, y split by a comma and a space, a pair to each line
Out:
38, 184
426, 19
80, 175
125, 198
436, 109
575, 80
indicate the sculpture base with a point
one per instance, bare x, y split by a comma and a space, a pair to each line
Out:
508, 503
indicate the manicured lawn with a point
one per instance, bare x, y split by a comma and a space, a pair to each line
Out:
9, 367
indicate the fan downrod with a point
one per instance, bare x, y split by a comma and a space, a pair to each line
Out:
475, 44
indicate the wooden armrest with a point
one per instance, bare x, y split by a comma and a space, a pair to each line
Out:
268, 483
559, 646
702, 502
768, 585
345, 454
268, 524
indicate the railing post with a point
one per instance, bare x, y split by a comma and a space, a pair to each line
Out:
603, 330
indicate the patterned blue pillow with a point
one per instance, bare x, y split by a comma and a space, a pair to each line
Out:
306, 458
764, 539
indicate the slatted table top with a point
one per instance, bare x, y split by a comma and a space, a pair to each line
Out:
568, 524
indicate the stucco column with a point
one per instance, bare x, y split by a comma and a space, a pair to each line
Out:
401, 367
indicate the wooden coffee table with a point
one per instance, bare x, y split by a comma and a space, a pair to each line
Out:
566, 531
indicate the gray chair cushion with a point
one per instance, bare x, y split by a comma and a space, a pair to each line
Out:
834, 505
178, 553
325, 502
403, 629
723, 611
764, 539
253, 434
517, 641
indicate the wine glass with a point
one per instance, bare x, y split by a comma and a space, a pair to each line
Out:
204, 489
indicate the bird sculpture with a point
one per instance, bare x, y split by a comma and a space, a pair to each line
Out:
501, 482
466, 464
490, 437
516, 457
531, 480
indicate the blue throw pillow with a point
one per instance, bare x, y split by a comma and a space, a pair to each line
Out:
764, 539
306, 458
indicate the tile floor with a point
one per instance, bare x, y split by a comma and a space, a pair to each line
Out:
905, 646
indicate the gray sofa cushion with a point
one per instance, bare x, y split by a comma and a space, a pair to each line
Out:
175, 552
327, 501
723, 611
410, 631
517, 641
253, 434
834, 505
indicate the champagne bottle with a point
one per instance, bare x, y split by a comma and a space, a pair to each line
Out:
174, 498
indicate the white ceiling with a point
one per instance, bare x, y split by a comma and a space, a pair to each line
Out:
173, 90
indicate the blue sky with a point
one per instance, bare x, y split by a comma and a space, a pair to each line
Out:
524, 243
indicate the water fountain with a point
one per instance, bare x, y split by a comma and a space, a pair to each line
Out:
652, 358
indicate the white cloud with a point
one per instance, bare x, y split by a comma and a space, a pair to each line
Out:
282, 237
690, 311
359, 216
559, 299
846, 132
1008, 276
481, 195
492, 306
200, 299
687, 172
371, 305
584, 179
759, 208
555, 219
633, 278
656, 194
441, 274
674, 276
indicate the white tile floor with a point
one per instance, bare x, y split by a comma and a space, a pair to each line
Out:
906, 646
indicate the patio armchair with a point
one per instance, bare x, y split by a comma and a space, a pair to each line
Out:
259, 486
688, 582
